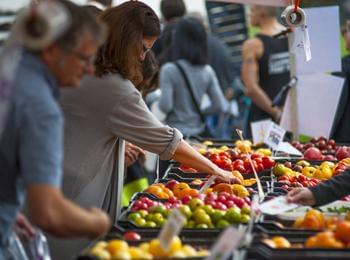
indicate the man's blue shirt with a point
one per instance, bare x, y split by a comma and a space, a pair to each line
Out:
31, 145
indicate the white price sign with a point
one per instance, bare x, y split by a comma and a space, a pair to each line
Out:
226, 244
171, 228
209, 182
274, 136
276, 206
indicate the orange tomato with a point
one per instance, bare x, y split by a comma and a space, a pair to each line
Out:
223, 187
342, 231
281, 242
180, 189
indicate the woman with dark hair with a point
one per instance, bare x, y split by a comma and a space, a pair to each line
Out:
108, 108
190, 53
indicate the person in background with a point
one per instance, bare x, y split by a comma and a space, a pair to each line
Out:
266, 64
325, 192
171, 10
108, 109
341, 129
31, 144
190, 51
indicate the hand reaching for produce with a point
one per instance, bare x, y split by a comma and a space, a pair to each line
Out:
301, 196
227, 176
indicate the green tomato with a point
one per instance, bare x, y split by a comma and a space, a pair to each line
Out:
140, 222
233, 215
204, 226
245, 219
134, 216
159, 209
217, 215
202, 219
208, 209
150, 224
186, 211
143, 212
222, 224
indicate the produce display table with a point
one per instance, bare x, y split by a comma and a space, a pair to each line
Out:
222, 205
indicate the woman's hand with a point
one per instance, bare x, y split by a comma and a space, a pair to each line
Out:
227, 176
132, 153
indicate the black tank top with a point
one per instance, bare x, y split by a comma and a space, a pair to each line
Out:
274, 66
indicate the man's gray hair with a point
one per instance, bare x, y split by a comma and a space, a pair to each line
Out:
82, 22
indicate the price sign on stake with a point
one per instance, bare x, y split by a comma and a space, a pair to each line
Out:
226, 244
260, 189
274, 136
171, 228
276, 206
209, 182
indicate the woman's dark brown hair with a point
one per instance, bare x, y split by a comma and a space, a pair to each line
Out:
127, 23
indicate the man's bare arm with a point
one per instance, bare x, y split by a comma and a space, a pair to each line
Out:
250, 78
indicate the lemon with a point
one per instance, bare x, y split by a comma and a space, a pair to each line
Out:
178, 254
135, 252
101, 244
240, 191
122, 255
189, 250
116, 245
208, 143
144, 247
203, 253
155, 249
100, 253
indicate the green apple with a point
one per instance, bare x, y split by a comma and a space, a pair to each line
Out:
149, 217
150, 224
202, 218
143, 212
222, 223
233, 215
161, 222
204, 226
199, 211
195, 203
186, 211
140, 222
244, 219
133, 216
245, 210
159, 209
208, 209
157, 218
217, 215
190, 224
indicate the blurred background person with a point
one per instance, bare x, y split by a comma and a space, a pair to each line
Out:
265, 65
170, 10
31, 145
341, 128
190, 51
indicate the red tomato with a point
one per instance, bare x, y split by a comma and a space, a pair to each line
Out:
131, 236
268, 162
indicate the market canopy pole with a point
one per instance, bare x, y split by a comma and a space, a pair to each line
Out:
258, 2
